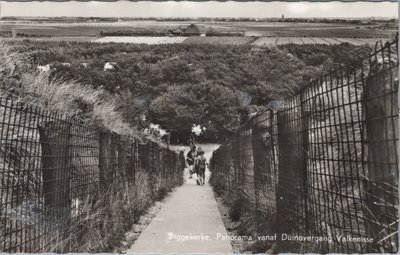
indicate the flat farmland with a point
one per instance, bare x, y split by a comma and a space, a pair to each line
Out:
273, 29
271, 41
141, 39
53, 39
255, 33
57, 30
231, 40
212, 40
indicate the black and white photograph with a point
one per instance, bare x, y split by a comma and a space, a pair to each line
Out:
199, 127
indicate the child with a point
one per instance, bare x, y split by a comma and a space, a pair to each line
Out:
200, 164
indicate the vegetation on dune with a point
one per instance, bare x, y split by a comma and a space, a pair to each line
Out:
98, 219
96, 107
103, 223
179, 85
327, 56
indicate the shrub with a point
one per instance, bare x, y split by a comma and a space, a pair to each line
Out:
217, 184
100, 226
235, 211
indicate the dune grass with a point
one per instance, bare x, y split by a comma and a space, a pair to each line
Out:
100, 224
99, 218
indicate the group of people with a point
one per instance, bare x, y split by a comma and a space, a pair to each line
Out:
197, 162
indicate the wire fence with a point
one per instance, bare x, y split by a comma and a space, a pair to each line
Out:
51, 165
324, 165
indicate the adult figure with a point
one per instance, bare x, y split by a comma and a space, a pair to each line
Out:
190, 160
200, 165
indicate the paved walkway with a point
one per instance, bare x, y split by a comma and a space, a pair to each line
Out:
190, 213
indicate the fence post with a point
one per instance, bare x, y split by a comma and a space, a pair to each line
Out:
305, 118
380, 143
161, 164
248, 192
236, 164
143, 154
115, 140
264, 176
105, 154
292, 142
56, 167
228, 160
133, 161
182, 167
123, 153
150, 158
137, 160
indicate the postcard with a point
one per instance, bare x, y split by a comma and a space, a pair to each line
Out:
199, 127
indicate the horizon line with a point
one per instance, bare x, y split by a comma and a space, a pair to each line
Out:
160, 1
201, 17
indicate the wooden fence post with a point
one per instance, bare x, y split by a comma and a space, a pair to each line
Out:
105, 155
133, 161
123, 154
380, 155
151, 158
228, 162
292, 144
236, 164
248, 192
56, 167
305, 123
161, 164
143, 155
115, 140
182, 167
264, 175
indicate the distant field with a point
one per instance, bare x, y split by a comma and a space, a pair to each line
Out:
258, 41
53, 39
217, 40
141, 39
256, 33
272, 29
269, 41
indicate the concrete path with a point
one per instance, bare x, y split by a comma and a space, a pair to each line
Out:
188, 223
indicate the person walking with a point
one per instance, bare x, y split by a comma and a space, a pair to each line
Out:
200, 165
190, 160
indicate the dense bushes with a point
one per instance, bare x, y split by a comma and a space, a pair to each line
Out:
178, 85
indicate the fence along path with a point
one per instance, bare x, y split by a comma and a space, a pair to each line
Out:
52, 166
326, 162
188, 222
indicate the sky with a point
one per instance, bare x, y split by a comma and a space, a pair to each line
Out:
200, 9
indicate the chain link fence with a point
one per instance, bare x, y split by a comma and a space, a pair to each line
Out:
325, 164
51, 167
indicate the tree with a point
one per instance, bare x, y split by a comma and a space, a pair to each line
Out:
211, 105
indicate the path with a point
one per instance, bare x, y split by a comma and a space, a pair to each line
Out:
191, 212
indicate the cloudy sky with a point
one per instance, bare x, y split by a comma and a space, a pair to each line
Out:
200, 9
